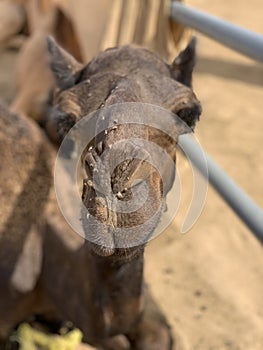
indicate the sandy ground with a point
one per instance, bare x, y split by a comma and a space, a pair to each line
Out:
209, 282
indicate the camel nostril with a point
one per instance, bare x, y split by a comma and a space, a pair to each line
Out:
125, 194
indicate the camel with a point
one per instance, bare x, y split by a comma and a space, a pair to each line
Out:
26, 179
48, 269
120, 75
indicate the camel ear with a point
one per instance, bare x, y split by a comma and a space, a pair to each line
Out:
29, 263
183, 65
64, 66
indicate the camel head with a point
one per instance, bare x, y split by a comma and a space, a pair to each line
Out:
123, 190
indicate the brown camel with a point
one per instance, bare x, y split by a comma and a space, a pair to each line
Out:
45, 267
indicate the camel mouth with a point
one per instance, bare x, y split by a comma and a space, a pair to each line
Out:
102, 251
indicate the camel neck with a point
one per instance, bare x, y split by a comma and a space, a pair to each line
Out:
117, 291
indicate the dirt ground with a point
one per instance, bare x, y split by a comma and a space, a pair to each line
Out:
209, 282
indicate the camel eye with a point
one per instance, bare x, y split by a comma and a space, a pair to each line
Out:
190, 115
58, 124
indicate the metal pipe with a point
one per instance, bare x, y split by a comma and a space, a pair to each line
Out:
248, 211
231, 35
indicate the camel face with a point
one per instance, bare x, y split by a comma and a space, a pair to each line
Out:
121, 75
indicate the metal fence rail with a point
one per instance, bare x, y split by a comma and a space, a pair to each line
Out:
233, 36
249, 212
250, 44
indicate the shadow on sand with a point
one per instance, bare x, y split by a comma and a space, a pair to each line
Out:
250, 74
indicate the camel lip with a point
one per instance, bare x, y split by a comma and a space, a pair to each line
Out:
115, 253
103, 251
